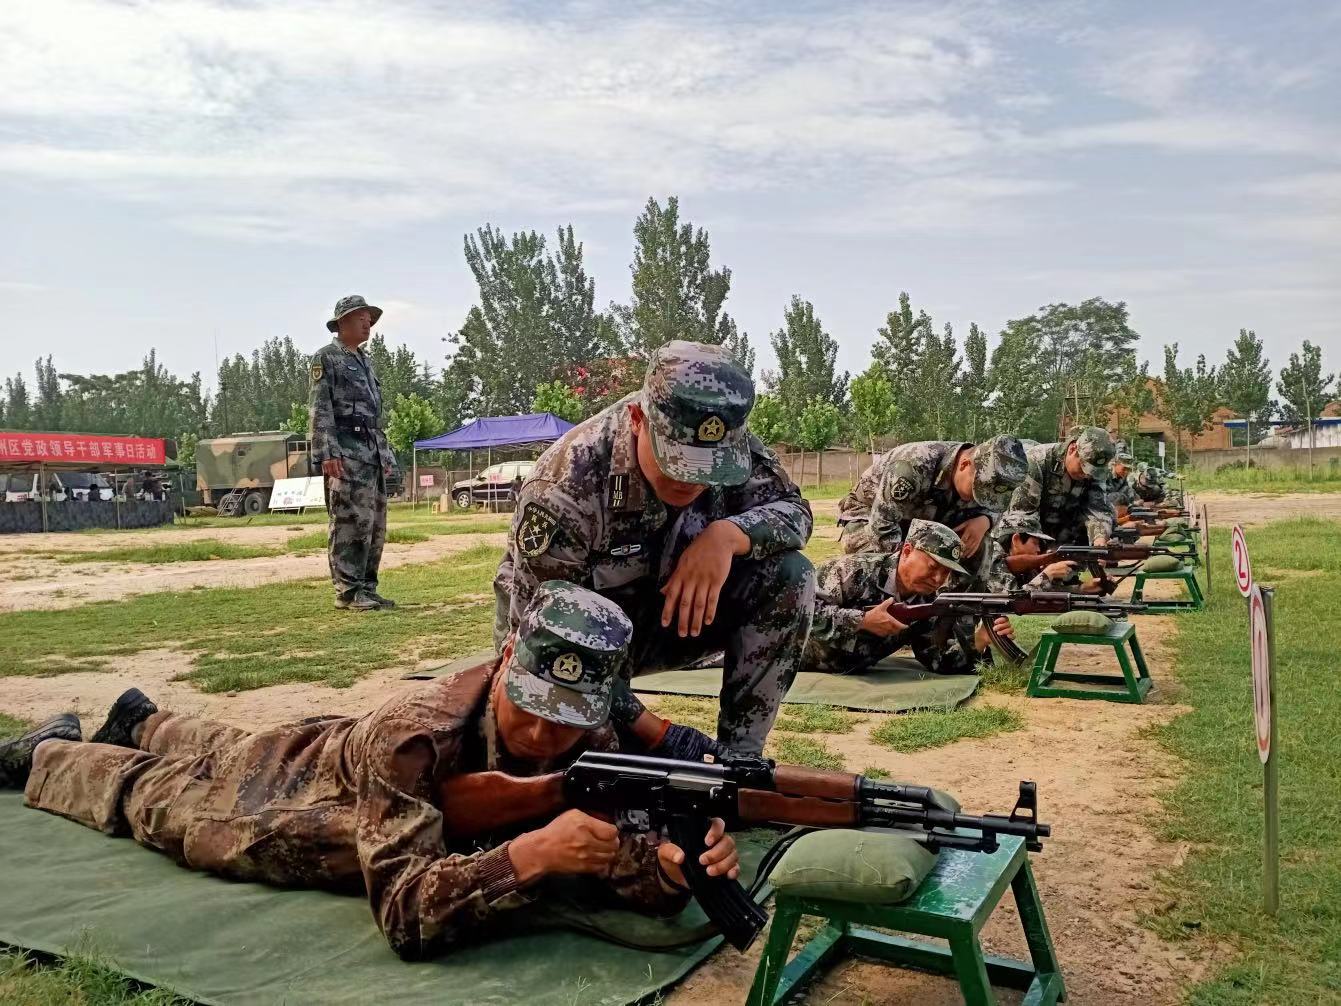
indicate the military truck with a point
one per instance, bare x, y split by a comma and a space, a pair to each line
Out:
236, 473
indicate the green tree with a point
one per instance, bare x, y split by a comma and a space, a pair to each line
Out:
1130, 401
1245, 382
186, 450
49, 409
1303, 388
897, 352
410, 419
806, 355
769, 420
1188, 398
398, 371
258, 393
874, 411
1015, 384
974, 385
676, 292
18, 407
297, 420
558, 399
935, 384
737, 343
817, 428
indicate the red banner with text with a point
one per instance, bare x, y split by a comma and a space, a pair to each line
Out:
80, 448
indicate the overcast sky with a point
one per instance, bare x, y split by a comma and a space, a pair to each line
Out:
174, 172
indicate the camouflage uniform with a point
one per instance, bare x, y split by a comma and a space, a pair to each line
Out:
1075, 513
996, 577
915, 481
1148, 486
586, 514
345, 422
846, 586
350, 803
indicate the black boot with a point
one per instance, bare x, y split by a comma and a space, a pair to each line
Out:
130, 709
16, 754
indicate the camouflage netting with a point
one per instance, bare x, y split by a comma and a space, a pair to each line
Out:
76, 516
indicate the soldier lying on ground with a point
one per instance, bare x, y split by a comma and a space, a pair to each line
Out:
1122, 496
1018, 533
1067, 487
948, 482
853, 628
667, 505
348, 802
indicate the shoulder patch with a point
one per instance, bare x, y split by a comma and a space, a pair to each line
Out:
902, 489
316, 370
536, 530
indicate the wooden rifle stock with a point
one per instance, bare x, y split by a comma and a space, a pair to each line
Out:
480, 803
1020, 564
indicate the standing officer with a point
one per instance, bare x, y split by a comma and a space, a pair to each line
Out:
345, 427
667, 505
1067, 486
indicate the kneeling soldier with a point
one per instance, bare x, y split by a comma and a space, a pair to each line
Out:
1067, 487
853, 627
349, 803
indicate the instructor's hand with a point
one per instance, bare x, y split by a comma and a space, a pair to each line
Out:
972, 532
720, 857
573, 842
879, 622
333, 468
696, 584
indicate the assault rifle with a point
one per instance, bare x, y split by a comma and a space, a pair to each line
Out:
1093, 558
679, 798
987, 608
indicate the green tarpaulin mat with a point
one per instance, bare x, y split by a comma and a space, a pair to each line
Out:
895, 685
64, 888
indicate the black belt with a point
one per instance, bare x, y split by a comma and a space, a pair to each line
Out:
349, 427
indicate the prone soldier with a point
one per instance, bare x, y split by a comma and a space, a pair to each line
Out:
1067, 487
1122, 498
853, 628
349, 803
345, 429
948, 482
667, 505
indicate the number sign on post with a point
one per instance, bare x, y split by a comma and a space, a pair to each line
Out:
1243, 567
1261, 654
1262, 643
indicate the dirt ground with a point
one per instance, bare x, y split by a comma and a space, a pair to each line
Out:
28, 582
1099, 778
1247, 509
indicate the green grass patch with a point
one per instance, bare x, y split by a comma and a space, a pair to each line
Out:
827, 491
876, 772
11, 725
701, 714
1217, 806
929, 728
315, 541
79, 980
202, 550
1326, 478
820, 550
789, 749
277, 633
806, 718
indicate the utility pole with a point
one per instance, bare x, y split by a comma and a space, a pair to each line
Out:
1308, 412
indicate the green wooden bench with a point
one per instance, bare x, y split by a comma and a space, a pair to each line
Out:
1131, 686
952, 904
1195, 600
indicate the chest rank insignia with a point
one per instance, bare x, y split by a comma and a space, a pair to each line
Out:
902, 489
711, 430
617, 495
567, 667
536, 531
316, 371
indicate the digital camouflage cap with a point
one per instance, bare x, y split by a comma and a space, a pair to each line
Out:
697, 399
938, 541
1095, 449
1021, 522
999, 468
348, 305
568, 651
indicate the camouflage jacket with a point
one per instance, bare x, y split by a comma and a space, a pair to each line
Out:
996, 577
587, 515
1122, 491
344, 408
912, 480
1148, 490
1065, 508
844, 588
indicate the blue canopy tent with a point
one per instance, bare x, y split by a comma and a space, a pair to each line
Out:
493, 431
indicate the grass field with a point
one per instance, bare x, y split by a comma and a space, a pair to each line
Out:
1217, 806
1326, 478
185, 551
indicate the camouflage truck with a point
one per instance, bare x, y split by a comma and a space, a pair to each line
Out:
248, 465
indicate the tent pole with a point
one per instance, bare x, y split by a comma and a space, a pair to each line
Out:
42, 488
414, 475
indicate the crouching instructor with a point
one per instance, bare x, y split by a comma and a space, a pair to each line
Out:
667, 505
345, 428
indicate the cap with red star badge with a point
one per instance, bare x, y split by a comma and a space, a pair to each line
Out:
937, 541
697, 400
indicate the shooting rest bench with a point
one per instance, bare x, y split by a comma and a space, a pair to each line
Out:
951, 904
1131, 686
1195, 600
1182, 543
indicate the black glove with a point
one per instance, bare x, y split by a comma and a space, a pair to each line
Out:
686, 744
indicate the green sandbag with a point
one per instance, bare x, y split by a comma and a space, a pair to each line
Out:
868, 867
1162, 564
1088, 622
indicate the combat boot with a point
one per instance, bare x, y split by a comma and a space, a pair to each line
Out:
385, 602
363, 602
131, 709
16, 754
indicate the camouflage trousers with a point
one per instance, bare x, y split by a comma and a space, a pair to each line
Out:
763, 619
944, 646
185, 792
356, 505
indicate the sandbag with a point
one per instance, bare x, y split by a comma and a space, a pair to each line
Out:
868, 867
1163, 564
1089, 622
